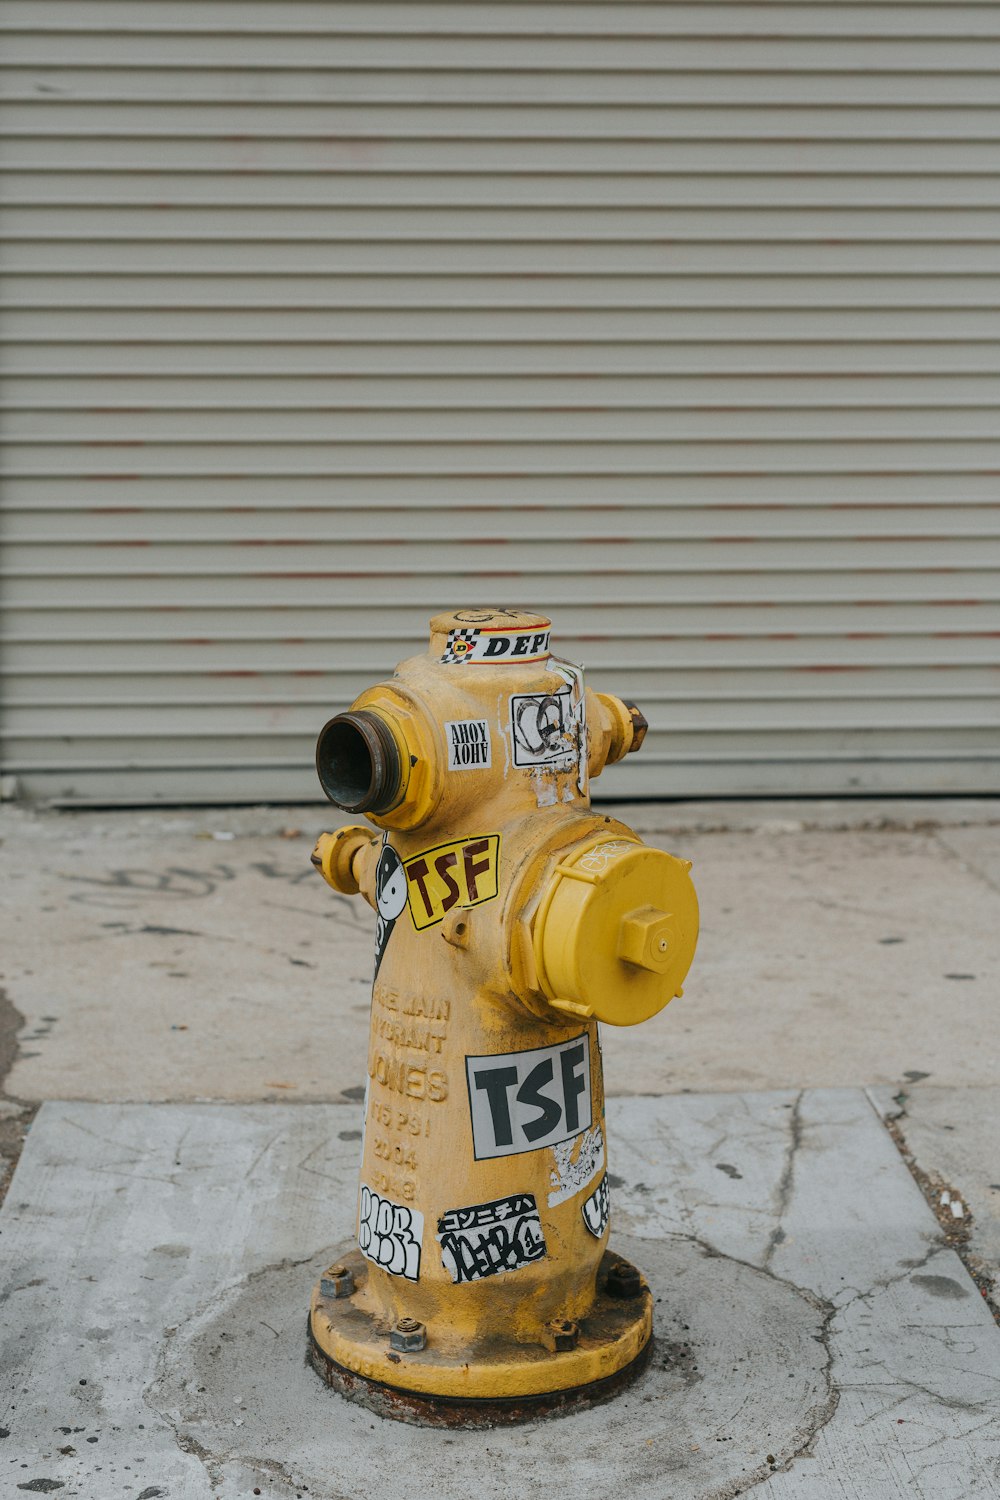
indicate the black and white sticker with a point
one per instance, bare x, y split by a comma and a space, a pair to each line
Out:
491, 1237
469, 744
597, 1209
549, 729
390, 896
523, 1101
390, 1234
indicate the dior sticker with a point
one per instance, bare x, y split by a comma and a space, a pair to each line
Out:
522, 1101
469, 744
491, 1237
577, 1163
596, 1209
390, 896
481, 645
390, 1234
462, 873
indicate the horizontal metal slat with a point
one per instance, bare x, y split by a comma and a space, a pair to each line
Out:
501, 548
897, 18
63, 116
218, 398
146, 589
270, 432
595, 87
450, 293
285, 262
165, 158
703, 628
739, 487
855, 524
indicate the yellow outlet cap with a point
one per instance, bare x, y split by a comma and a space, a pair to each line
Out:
616, 930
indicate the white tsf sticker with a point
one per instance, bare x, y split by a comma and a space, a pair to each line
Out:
469, 744
522, 1101
390, 1234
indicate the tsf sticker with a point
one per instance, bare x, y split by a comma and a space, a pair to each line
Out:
462, 873
480, 645
491, 1237
522, 1101
469, 744
390, 1234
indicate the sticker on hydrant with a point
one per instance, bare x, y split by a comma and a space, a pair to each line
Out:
462, 873
491, 1237
577, 1163
493, 643
597, 1209
390, 1235
469, 745
522, 1101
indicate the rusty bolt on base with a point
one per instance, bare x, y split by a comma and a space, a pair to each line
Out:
408, 1336
563, 1335
336, 1281
624, 1281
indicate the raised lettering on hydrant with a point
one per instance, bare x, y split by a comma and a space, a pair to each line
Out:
510, 919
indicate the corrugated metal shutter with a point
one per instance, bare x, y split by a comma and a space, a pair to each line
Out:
678, 320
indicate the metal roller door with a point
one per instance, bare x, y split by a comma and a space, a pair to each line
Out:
677, 320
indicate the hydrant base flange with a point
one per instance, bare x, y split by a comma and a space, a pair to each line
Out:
503, 1381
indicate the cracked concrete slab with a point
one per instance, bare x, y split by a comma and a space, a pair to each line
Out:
953, 1137
817, 1338
197, 954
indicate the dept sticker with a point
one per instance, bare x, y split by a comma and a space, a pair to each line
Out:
491, 1237
480, 645
522, 1101
462, 873
468, 744
390, 1235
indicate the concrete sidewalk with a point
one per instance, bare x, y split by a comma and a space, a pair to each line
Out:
188, 955
827, 1088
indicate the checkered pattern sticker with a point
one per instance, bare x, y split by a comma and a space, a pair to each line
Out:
461, 645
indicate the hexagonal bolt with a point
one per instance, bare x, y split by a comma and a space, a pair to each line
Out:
408, 1336
563, 1335
336, 1281
624, 1280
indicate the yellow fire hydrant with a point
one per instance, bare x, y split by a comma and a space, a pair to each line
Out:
511, 920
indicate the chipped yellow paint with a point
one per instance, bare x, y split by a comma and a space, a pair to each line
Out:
513, 917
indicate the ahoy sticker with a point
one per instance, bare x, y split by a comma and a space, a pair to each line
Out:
462, 873
469, 745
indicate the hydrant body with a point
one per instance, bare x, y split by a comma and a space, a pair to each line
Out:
510, 919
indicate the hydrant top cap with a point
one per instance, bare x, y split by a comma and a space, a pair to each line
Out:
490, 617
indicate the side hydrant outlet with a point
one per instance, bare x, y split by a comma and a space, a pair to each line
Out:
510, 919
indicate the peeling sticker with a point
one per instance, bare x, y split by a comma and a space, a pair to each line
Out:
577, 1163
481, 645
597, 1208
390, 1235
491, 1237
469, 744
524, 1101
462, 873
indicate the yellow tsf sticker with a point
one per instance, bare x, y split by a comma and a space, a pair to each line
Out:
462, 873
